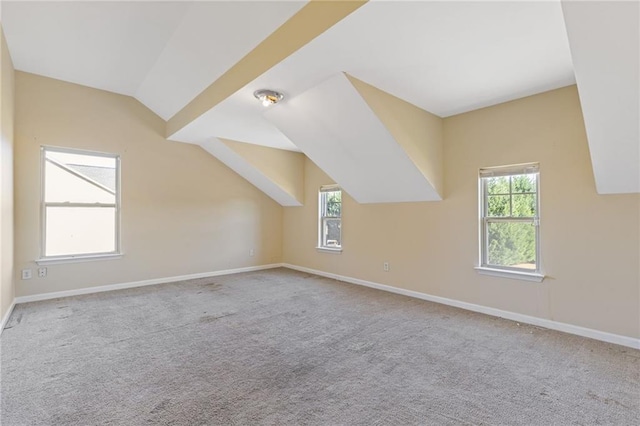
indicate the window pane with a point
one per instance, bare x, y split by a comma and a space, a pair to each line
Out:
80, 183
70, 158
498, 205
511, 244
497, 185
524, 205
332, 203
523, 183
80, 230
331, 233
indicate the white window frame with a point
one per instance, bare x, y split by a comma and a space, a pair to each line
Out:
500, 270
322, 219
81, 257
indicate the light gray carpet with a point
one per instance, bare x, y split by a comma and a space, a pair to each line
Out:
280, 347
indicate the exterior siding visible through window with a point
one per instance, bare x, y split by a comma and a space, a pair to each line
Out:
80, 204
509, 216
330, 217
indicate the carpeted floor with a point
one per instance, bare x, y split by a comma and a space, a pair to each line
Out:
280, 347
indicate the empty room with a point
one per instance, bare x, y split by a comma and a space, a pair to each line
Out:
320, 212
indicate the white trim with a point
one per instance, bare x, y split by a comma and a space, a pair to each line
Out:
514, 169
485, 219
111, 287
517, 275
513, 316
5, 319
43, 203
78, 259
329, 250
330, 188
324, 189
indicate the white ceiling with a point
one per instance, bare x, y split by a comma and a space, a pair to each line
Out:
212, 37
238, 118
349, 142
241, 166
445, 57
161, 52
605, 43
107, 45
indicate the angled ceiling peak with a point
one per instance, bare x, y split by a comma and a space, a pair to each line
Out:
276, 172
605, 46
379, 148
309, 22
418, 132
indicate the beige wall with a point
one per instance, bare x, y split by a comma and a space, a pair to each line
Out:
589, 242
284, 168
418, 132
183, 211
6, 177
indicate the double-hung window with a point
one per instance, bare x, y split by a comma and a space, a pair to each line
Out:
509, 215
80, 205
330, 218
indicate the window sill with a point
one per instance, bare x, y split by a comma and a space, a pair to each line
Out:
516, 275
78, 259
329, 250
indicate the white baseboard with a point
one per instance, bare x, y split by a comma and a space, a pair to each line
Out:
6, 316
121, 286
540, 322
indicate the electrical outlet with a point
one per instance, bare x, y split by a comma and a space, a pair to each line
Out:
26, 274
42, 272
251, 252
385, 266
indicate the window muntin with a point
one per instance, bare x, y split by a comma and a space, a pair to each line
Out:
330, 217
80, 203
510, 218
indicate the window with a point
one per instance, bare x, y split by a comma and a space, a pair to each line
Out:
80, 204
330, 226
510, 218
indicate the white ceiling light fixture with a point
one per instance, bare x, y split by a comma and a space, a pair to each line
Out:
268, 97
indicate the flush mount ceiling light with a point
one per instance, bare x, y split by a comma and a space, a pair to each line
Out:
268, 97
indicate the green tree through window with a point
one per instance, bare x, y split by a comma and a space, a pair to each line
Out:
334, 203
510, 218
330, 235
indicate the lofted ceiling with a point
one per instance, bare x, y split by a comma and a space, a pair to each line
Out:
181, 59
339, 138
109, 46
163, 53
444, 57
605, 43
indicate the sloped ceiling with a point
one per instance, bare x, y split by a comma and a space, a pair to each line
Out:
106, 45
605, 45
335, 127
422, 53
444, 57
282, 188
419, 133
196, 64
163, 53
285, 168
